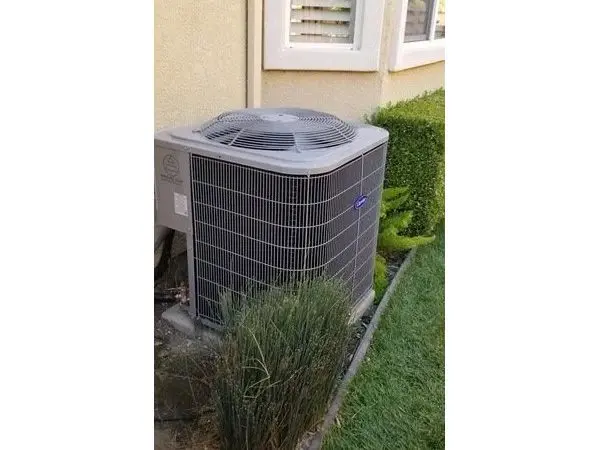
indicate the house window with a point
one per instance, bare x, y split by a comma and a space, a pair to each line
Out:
323, 34
419, 34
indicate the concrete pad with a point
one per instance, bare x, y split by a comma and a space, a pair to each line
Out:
178, 317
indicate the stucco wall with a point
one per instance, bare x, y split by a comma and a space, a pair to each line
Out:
412, 82
351, 95
199, 59
346, 94
200, 69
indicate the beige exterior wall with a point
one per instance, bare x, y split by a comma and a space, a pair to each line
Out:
412, 82
199, 59
200, 69
351, 95
348, 95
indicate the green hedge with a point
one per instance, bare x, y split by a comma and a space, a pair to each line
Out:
416, 155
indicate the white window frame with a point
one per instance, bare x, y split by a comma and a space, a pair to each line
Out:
362, 55
405, 55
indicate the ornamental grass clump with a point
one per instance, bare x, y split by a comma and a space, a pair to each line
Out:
280, 358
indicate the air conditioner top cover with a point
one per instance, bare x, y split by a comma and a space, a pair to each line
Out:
288, 140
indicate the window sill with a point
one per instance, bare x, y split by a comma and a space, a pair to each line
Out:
323, 58
414, 54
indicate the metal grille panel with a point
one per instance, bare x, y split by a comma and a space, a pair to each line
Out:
278, 129
253, 228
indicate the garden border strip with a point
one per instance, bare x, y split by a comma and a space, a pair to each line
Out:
315, 441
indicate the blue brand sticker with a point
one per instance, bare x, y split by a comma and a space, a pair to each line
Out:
360, 201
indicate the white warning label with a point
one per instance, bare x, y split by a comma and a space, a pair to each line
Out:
181, 207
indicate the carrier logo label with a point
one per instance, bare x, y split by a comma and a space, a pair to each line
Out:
360, 202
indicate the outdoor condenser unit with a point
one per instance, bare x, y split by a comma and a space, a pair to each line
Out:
267, 196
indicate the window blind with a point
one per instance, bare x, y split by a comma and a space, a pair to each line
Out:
322, 21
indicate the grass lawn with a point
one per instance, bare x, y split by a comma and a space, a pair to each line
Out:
396, 401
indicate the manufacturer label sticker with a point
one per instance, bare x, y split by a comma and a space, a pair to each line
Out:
181, 207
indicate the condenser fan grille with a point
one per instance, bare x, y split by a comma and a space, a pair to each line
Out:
278, 129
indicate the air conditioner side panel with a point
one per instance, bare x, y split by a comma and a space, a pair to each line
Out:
172, 181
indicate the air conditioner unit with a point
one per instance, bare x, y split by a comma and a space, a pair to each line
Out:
267, 196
